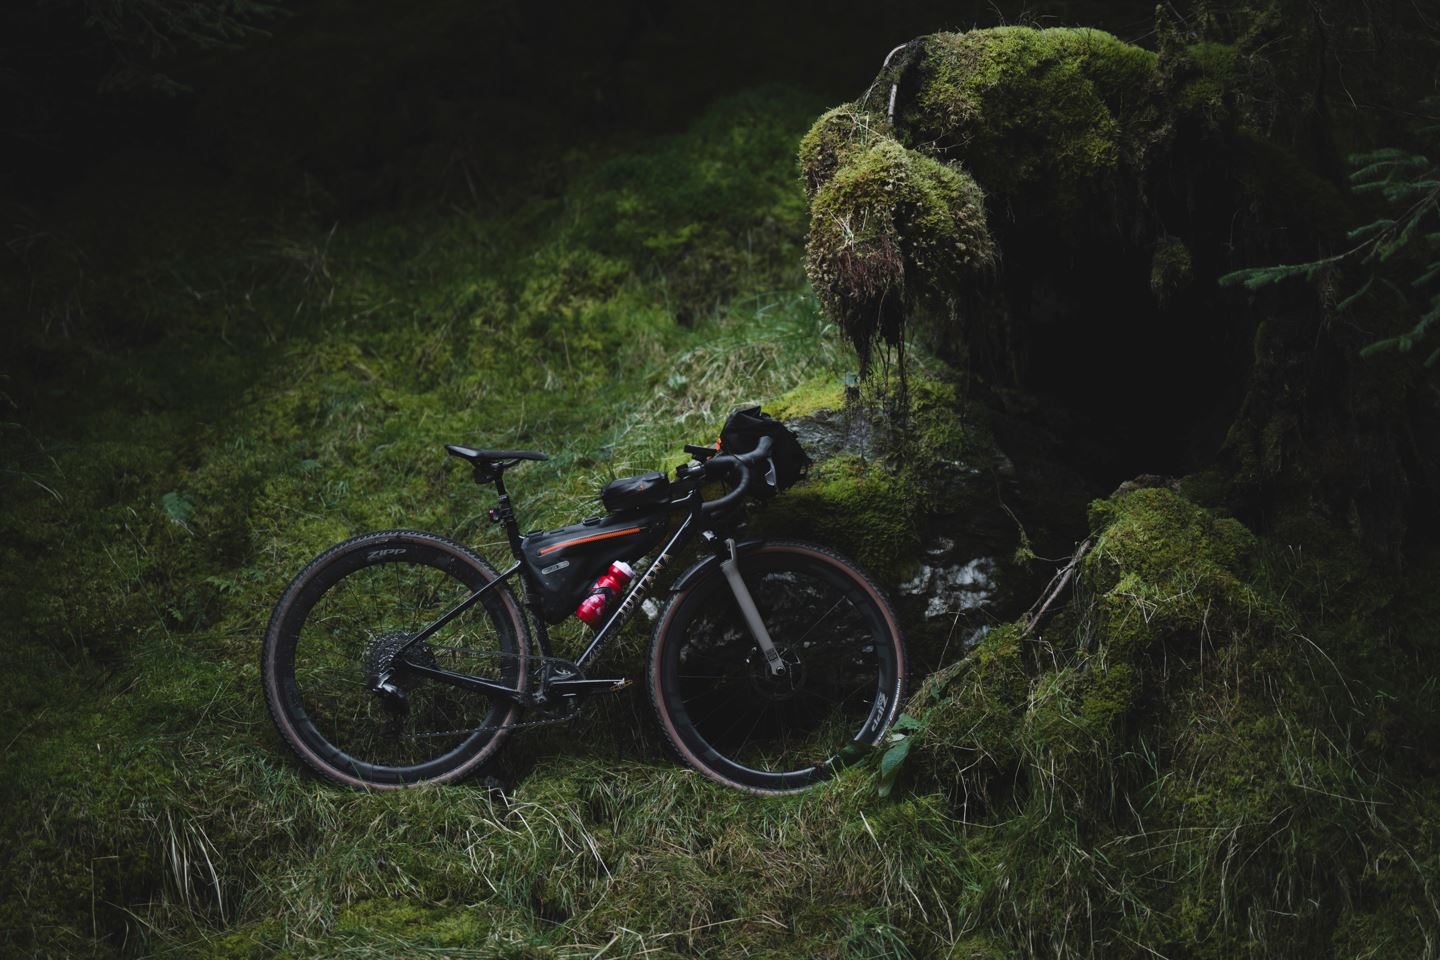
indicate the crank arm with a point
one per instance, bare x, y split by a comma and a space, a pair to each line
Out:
584, 685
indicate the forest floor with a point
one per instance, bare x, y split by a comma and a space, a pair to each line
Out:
285, 381
291, 384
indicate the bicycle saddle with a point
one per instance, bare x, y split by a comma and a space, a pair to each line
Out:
481, 457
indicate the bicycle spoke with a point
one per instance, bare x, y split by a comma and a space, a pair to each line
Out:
772, 727
821, 620
351, 628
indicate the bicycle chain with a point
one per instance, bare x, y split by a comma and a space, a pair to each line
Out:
547, 722
539, 662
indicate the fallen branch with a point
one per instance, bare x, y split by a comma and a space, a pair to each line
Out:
1055, 587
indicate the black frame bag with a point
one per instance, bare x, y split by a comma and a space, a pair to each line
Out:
788, 460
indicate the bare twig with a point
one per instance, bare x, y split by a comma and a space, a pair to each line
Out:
1057, 585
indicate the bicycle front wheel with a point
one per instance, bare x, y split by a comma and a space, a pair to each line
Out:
733, 718
343, 621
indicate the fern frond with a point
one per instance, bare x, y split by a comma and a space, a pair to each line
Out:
1428, 319
1253, 278
1409, 186
1379, 346
1356, 296
1375, 156
1370, 229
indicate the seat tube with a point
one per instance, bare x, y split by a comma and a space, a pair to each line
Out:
507, 517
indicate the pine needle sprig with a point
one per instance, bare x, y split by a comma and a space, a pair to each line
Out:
1408, 184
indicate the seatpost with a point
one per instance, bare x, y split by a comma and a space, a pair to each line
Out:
507, 516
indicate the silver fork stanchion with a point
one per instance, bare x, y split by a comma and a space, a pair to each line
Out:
731, 569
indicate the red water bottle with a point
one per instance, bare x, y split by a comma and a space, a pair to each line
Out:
610, 585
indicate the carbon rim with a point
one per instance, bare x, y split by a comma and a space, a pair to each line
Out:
741, 724
340, 621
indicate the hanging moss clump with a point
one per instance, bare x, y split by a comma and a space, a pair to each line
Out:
890, 229
1171, 269
1043, 120
1071, 151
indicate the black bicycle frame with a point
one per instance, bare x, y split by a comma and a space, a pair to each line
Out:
569, 685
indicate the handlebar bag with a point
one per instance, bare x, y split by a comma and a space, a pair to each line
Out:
633, 493
788, 460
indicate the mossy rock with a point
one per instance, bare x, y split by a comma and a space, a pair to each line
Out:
810, 396
1039, 145
883, 472
1154, 535
861, 507
1046, 117
1163, 572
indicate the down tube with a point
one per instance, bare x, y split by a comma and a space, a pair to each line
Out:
636, 594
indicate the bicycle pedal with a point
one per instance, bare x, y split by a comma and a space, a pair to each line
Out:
621, 684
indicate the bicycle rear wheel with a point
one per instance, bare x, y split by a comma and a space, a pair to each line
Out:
344, 618
729, 716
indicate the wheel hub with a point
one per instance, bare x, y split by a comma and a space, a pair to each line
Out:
381, 667
771, 685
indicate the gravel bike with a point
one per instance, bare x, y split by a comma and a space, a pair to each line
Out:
400, 658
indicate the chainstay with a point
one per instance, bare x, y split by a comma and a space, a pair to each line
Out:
537, 665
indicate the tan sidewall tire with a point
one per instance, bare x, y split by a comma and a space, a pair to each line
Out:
662, 628
270, 650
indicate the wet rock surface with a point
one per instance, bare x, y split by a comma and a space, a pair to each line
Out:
954, 585
826, 433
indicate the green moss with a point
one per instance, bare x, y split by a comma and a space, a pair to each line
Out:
1170, 269
862, 507
1166, 574
1165, 729
1048, 115
938, 433
689, 213
1158, 536
148, 795
414, 925
1039, 135
818, 393
968, 713
833, 139
1221, 748
252, 941
1202, 79
874, 504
